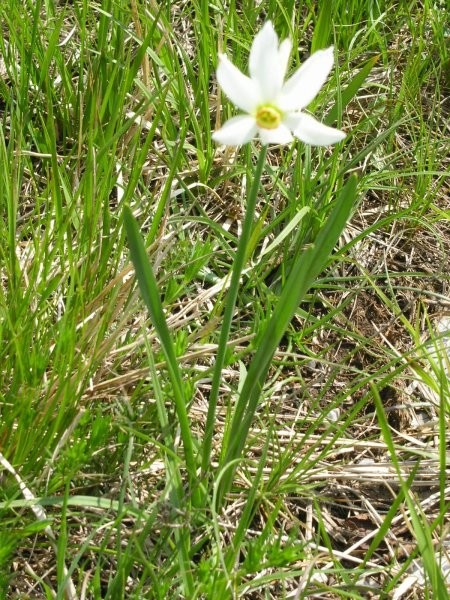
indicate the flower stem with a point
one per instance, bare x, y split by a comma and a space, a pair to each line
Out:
231, 297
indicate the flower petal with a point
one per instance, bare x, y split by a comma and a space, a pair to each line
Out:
237, 130
292, 120
305, 83
239, 88
267, 64
312, 132
284, 52
280, 135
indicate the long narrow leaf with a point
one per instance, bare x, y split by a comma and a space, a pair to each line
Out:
349, 92
150, 294
306, 268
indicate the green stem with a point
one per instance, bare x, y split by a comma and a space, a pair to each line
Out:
238, 266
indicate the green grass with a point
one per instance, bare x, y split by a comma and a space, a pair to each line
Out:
321, 470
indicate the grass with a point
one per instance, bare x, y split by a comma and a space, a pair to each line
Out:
115, 482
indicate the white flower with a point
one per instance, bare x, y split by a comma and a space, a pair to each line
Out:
272, 106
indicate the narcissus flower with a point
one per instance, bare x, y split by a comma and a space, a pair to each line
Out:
274, 107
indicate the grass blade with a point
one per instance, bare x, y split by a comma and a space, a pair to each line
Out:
419, 522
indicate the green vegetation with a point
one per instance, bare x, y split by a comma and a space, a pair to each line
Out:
323, 474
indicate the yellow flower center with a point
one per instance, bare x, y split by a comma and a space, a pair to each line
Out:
268, 117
